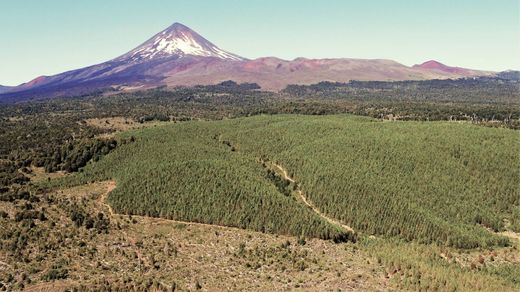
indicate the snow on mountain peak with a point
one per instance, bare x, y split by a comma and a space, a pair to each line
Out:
177, 40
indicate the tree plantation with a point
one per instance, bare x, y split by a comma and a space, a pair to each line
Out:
440, 182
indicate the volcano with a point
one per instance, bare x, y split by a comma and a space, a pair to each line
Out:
177, 40
179, 56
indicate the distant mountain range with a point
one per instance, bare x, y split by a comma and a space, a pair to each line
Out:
178, 56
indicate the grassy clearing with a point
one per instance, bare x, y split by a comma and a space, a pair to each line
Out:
117, 124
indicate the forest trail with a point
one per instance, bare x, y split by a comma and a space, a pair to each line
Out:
111, 185
309, 204
511, 234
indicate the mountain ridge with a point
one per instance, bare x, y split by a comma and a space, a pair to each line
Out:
179, 56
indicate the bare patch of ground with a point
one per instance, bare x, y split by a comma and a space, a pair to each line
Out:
118, 124
38, 174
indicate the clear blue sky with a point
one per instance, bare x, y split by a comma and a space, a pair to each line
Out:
44, 37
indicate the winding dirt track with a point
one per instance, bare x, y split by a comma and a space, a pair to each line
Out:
102, 199
112, 185
309, 203
511, 234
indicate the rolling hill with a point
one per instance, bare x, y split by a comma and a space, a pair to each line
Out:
435, 66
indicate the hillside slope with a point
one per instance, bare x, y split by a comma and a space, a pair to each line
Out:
275, 74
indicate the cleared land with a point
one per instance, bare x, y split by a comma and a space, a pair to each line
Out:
138, 253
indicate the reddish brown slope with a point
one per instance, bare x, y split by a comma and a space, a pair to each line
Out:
435, 66
275, 74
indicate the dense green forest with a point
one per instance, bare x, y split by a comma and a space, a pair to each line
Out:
433, 182
31, 131
191, 175
54, 133
470, 90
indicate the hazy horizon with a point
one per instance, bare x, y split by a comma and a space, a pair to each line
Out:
59, 35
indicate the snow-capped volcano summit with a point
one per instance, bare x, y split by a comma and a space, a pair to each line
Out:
177, 40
